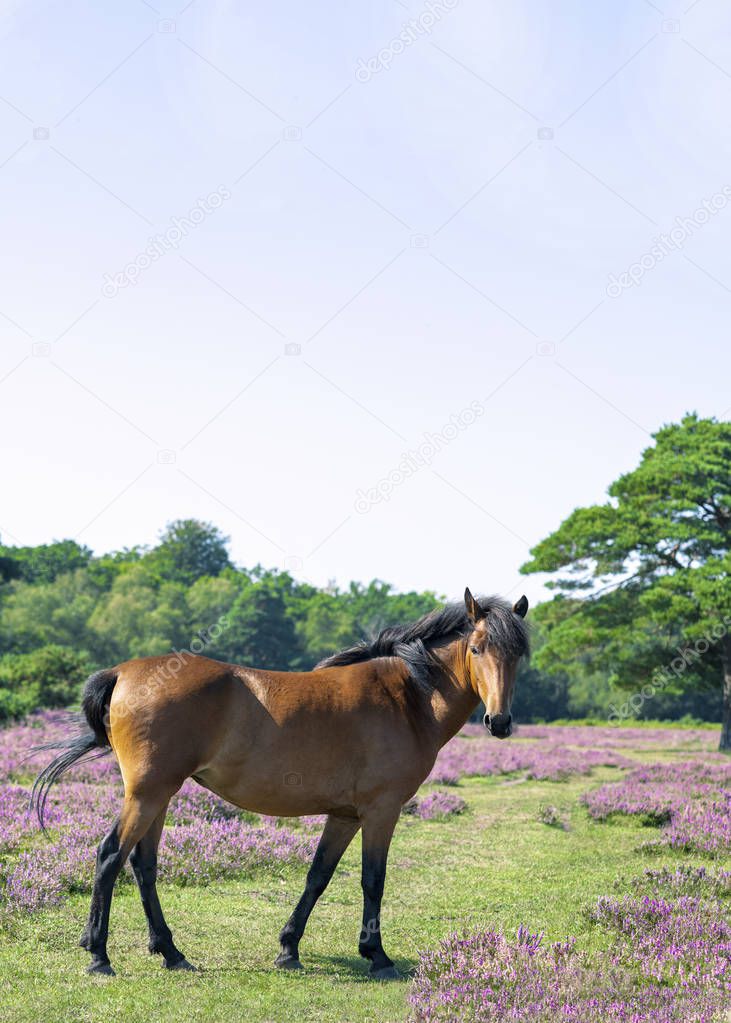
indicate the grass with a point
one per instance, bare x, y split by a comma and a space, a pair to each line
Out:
686, 721
496, 865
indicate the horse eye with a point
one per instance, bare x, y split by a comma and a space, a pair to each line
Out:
474, 649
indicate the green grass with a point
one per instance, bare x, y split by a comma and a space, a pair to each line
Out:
495, 866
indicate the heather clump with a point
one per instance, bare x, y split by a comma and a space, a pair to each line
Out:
436, 805
691, 799
683, 879
551, 816
684, 941
667, 961
474, 753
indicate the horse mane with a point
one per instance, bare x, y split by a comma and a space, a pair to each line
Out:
414, 642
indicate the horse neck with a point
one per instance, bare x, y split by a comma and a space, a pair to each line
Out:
454, 697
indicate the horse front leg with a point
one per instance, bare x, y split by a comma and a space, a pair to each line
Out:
378, 830
335, 839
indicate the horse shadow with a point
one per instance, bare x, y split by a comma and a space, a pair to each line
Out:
352, 968
357, 968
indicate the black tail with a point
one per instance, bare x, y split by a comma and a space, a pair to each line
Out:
97, 692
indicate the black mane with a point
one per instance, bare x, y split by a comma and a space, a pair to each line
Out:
413, 643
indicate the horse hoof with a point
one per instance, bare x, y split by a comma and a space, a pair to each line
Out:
385, 973
182, 964
285, 962
102, 969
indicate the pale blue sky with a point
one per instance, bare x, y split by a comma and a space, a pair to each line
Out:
427, 237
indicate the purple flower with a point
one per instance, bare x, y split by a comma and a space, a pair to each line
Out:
436, 806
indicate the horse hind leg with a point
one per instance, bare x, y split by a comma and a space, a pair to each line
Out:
144, 864
139, 811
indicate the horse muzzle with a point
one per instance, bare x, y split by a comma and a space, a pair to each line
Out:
499, 725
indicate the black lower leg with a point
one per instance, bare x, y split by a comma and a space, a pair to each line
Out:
376, 842
335, 839
144, 864
370, 945
109, 860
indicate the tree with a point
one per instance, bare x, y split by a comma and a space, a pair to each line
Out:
210, 599
328, 620
57, 612
44, 563
259, 632
376, 606
138, 618
647, 592
48, 677
188, 550
326, 625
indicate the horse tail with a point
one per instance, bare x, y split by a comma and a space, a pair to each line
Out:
94, 705
95, 702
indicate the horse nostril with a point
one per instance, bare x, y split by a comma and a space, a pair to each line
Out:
500, 725
486, 721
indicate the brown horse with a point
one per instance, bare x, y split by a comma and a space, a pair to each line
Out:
353, 739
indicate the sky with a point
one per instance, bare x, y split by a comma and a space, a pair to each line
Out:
383, 291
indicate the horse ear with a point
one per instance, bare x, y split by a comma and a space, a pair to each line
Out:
521, 607
474, 611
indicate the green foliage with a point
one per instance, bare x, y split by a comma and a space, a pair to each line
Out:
189, 550
671, 513
643, 580
56, 612
331, 619
138, 617
259, 631
44, 563
48, 677
210, 600
540, 696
